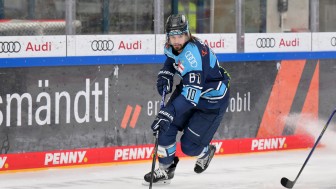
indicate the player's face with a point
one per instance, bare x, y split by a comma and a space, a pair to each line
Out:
177, 41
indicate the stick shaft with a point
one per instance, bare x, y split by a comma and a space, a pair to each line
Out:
156, 143
312, 150
154, 157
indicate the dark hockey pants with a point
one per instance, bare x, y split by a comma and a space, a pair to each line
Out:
198, 126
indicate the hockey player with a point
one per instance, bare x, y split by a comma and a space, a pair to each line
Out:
196, 106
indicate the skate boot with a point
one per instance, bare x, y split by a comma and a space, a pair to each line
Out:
203, 163
163, 176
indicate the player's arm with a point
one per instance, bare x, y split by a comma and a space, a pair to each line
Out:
165, 79
190, 95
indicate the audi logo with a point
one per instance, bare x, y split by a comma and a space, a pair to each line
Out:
10, 47
102, 45
265, 42
333, 41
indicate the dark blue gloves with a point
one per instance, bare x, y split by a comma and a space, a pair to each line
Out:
162, 121
165, 81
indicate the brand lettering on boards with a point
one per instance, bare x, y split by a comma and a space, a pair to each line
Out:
61, 158
268, 144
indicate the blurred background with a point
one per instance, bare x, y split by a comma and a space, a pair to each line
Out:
59, 17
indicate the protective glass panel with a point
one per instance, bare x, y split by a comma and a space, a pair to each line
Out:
32, 17
49, 17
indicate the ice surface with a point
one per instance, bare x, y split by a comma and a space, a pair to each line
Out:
244, 171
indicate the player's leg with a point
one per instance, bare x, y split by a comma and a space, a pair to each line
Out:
198, 134
203, 153
166, 156
166, 149
204, 159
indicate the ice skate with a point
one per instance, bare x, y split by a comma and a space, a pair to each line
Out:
162, 176
203, 163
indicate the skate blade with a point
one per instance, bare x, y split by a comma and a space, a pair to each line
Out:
158, 183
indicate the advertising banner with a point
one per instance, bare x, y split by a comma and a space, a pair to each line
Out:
107, 45
325, 41
53, 108
82, 50
219, 43
277, 42
71, 115
117, 154
32, 46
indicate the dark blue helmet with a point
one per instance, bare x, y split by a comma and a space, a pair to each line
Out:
177, 24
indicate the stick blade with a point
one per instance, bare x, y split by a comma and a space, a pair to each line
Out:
287, 183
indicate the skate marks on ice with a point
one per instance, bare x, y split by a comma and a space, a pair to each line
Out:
265, 170
319, 173
233, 172
99, 177
75, 184
57, 184
247, 171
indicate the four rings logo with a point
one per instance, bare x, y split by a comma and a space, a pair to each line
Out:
10, 47
108, 45
265, 42
333, 41
102, 45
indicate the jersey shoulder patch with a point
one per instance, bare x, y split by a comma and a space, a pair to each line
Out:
190, 59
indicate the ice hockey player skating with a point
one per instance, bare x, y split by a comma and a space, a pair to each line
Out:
197, 104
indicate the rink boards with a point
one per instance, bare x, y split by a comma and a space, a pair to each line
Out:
79, 100
108, 155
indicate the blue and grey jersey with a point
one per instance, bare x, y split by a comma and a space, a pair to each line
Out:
204, 82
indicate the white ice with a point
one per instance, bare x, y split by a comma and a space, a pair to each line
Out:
240, 171
259, 170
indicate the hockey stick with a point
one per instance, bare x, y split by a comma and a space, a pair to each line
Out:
285, 181
156, 142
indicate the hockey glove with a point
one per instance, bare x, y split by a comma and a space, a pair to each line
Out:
162, 121
165, 81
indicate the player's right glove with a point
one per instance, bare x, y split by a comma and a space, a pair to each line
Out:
162, 121
165, 81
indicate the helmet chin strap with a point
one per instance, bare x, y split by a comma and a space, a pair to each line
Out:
189, 35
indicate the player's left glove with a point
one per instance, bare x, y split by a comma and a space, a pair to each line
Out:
162, 121
165, 81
